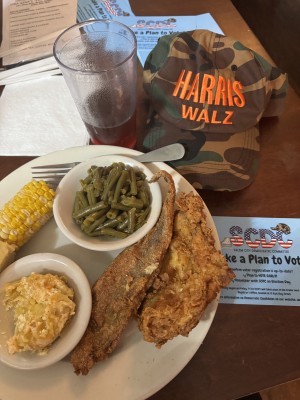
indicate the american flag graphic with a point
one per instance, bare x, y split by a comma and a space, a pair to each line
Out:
248, 232
268, 238
285, 245
237, 240
268, 244
265, 238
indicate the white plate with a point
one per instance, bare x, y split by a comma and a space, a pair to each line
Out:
136, 369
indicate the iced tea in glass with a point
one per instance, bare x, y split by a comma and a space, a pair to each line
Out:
99, 63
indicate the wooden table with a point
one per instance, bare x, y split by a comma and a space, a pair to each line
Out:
248, 348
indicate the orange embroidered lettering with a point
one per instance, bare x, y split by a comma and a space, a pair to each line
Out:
206, 116
194, 90
221, 92
189, 112
184, 83
203, 116
211, 91
214, 118
208, 83
237, 88
229, 93
226, 120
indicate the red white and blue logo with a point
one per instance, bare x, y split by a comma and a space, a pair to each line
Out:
259, 238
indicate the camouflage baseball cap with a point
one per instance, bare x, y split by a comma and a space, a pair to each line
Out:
209, 92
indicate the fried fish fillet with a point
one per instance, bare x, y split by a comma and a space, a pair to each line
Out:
192, 275
119, 291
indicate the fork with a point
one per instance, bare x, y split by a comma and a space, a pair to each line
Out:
53, 174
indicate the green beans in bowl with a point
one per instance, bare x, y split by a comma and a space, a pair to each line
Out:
107, 203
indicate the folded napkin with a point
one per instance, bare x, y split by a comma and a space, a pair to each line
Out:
39, 117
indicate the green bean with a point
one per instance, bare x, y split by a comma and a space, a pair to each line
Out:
143, 215
97, 181
133, 186
82, 198
114, 201
87, 222
86, 180
107, 224
112, 213
131, 220
122, 179
138, 226
123, 225
90, 194
95, 224
90, 209
139, 184
125, 189
140, 177
91, 218
97, 192
113, 232
110, 197
132, 202
92, 169
120, 206
144, 196
111, 180
77, 204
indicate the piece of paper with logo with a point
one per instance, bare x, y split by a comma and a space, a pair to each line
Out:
264, 253
105, 9
28, 22
147, 29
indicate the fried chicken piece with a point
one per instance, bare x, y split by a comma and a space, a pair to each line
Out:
192, 275
119, 291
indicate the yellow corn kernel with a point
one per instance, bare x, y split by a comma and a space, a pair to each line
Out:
23, 215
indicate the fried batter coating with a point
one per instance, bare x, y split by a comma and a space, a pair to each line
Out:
119, 291
192, 275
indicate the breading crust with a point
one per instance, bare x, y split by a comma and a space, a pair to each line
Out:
192, 275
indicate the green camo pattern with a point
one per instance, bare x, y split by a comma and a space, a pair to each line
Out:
218, 157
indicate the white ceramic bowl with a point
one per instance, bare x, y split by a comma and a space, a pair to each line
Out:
64, 201
72, 332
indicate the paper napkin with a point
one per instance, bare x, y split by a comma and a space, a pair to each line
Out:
39, 117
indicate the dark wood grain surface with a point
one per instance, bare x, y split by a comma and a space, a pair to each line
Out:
248, 348
276, 24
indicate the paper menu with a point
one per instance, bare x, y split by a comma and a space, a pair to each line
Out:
26, 21
264, 253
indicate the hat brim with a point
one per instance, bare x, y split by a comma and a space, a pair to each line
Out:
217, 161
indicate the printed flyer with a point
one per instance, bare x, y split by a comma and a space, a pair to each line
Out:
103, 9
264, 253
147, 29
25, 23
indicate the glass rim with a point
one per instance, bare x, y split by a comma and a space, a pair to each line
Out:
90, 22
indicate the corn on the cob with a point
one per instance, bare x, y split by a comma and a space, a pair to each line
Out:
23, 215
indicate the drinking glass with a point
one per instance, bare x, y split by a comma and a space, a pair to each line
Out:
98, 59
